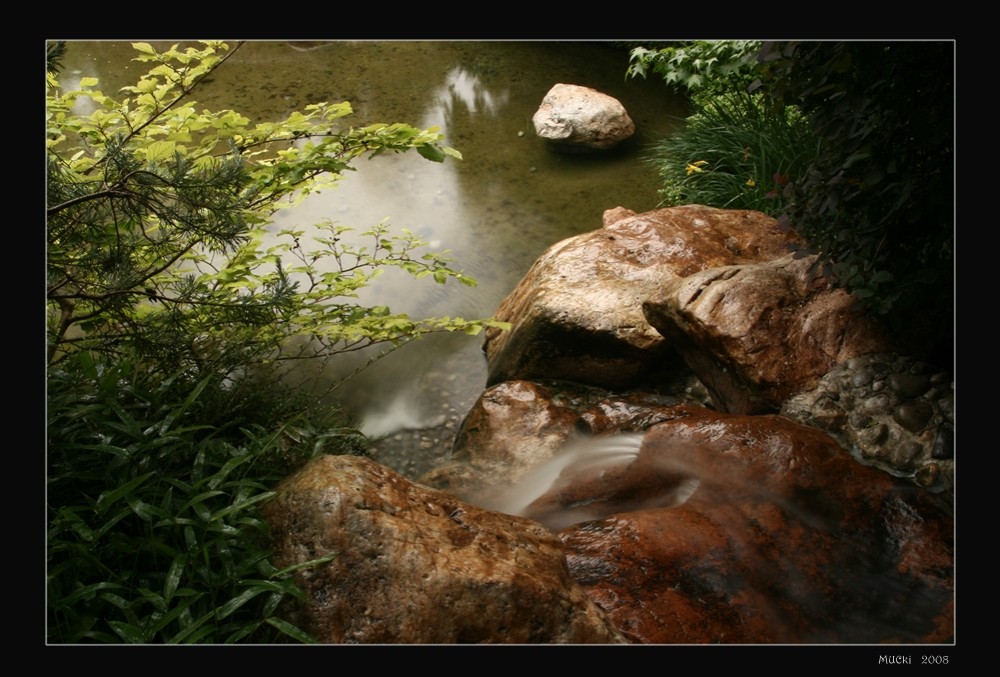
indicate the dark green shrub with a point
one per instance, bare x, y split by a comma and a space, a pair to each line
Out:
154, 528
170, 310
878, 201
856, 148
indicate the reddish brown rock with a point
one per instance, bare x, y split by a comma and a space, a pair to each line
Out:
577, 313
756, 334
785, 539
415, 565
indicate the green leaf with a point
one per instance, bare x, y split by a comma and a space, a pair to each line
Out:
303, 565
109, 498
159, 151
173, 614
128, 632
235, 603
174, 576
431, 152
290, 630
193, 632
144, 47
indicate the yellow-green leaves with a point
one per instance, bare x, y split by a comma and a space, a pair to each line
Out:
144, 47
159, 151
178, 197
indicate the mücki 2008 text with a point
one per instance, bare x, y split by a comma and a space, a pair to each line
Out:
908, 660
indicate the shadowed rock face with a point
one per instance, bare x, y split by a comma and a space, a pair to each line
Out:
415, 565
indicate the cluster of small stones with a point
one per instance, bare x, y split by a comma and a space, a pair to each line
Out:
890, 411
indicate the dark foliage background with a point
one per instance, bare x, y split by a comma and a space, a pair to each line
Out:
878, 202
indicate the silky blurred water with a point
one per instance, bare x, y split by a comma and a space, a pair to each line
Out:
495, 211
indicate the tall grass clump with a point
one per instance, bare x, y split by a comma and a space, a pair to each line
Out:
154, 530
735, 152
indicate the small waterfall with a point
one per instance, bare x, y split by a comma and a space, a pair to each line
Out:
590, 478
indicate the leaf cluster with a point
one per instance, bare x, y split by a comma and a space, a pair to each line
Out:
172, 304
156, 214
850, 143
703, 67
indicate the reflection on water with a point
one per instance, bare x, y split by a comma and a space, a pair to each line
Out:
462, 86
496, 211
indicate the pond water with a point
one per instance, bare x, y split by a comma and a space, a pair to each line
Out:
495, 211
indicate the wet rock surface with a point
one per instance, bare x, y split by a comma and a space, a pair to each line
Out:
577, 314
414, 565
716, 529
517, 425
758, 333
785, 539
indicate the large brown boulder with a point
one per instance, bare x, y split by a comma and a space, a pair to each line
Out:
416, 565
577, 314
688, 525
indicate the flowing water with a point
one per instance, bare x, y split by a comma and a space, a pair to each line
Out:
495, 211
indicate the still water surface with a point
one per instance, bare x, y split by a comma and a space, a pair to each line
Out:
495, 211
